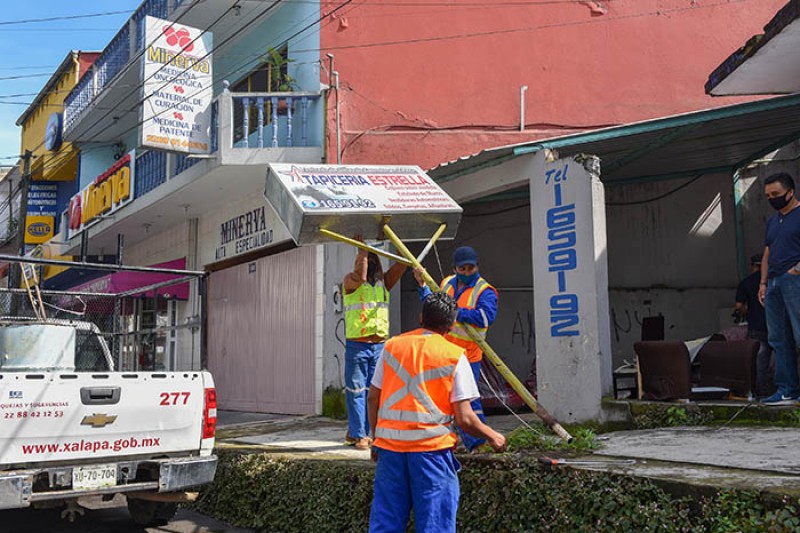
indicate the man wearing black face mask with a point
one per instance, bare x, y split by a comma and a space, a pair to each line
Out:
477, 306
366, 317
779, 291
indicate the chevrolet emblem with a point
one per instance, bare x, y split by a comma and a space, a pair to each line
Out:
98, 420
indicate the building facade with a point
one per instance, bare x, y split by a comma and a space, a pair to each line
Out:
374, 83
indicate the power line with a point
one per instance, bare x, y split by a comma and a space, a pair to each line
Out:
64, 17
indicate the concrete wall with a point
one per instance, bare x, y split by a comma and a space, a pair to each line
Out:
500, 233
642, 59
754, 205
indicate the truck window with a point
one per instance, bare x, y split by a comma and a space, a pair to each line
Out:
89, 354
26, 347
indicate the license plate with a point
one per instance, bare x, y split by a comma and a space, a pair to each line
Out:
94, 477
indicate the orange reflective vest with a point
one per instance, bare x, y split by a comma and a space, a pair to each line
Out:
468, 300
415, 413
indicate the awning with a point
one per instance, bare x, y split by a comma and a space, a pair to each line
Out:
717, 140
768, 63
124, 282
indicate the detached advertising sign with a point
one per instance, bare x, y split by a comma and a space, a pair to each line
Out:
110, 191
359, 199
176, 87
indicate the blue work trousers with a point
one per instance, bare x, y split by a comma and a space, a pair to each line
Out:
782, 306
360, 359
470, 442
424, 481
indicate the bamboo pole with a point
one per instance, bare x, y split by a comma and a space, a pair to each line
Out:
490, 354
364, 246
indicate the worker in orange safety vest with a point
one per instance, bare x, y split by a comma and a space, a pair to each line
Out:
422, 386
477, 306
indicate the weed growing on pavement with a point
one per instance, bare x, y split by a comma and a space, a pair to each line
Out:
539, 437
657, 416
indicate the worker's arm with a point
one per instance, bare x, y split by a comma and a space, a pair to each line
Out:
762, 288
484, 313
358, 276
373, 399
423, 290
469, 422
393, 275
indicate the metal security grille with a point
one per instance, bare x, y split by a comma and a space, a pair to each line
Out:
155, 326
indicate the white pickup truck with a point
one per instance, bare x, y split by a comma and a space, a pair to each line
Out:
71, 426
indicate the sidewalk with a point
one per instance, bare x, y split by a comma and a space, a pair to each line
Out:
716, 457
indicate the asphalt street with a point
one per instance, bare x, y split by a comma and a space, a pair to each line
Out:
112, 517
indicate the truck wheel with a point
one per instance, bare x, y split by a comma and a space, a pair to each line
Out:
147, 513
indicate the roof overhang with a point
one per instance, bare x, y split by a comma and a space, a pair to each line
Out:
717, 140
767, 64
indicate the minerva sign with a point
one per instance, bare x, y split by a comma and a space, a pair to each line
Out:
108, 192
176, 87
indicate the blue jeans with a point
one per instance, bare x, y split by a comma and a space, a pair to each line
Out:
782, 306
470, 442
426, 481
359, 366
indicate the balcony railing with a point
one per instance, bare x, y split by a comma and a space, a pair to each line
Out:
264, 120
113, 59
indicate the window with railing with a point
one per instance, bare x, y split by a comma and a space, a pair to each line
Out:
272, 75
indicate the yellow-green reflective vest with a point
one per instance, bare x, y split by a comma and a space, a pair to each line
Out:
366, 311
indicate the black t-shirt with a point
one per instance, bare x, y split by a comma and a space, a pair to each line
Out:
747, 293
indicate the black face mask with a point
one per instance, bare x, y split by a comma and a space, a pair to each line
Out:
372, 268
780, 202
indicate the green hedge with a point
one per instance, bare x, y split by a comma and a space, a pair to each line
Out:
509, 493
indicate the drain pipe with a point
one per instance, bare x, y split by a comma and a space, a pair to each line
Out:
335, 82
522, 90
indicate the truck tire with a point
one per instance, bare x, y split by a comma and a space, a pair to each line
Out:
148, 513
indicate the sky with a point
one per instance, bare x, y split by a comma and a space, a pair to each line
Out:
31, 51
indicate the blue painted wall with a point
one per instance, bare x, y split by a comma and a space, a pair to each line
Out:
94, 160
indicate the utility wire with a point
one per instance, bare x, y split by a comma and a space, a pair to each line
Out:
64, 17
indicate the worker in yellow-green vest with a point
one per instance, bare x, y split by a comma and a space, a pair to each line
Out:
366, 317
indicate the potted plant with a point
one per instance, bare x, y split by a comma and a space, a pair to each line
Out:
277, 63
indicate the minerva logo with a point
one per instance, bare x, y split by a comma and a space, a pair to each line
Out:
178, 37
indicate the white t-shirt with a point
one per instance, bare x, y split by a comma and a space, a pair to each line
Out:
464, 386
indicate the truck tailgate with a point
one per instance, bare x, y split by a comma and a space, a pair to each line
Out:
68, 416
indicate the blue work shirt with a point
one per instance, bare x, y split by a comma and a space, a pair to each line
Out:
783, 240
487, 302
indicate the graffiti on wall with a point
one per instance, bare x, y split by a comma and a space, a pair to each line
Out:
523, 332
628, 319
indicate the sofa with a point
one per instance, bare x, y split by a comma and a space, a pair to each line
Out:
667, 372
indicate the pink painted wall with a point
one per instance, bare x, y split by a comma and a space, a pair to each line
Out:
455, 91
